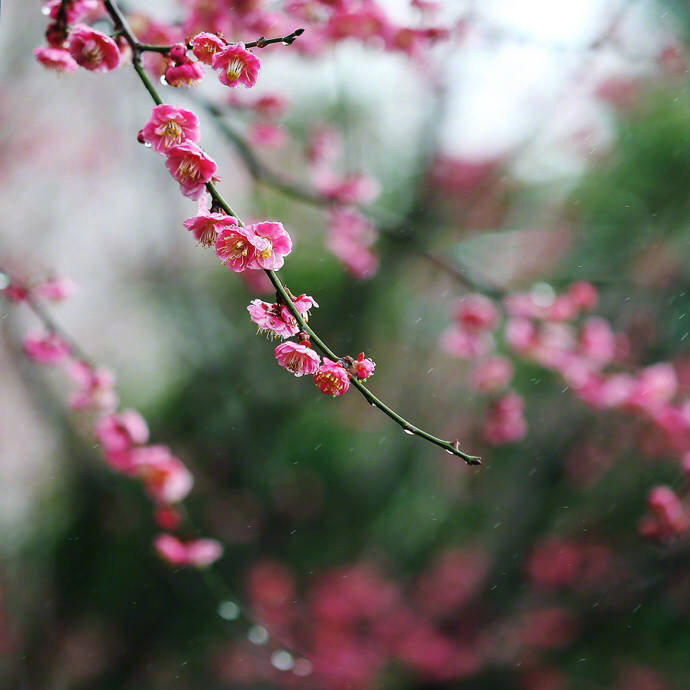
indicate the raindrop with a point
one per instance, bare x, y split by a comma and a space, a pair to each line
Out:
163, 80
257, 634
302, 667
450, 452
543, 294
147, 145
286, 43
409, 432
228, 610
45, 10
4, 280
282, 660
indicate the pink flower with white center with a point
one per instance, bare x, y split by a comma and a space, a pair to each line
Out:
331, 378
236, 248
363, 367
206, 45
492, 374
169, 127
93, 50
236, 65
165, 477
55, 289
56, 59
476, 312
96, 387
273, 244
191, 167
206, 227
120, 431
45, 349
186, 74
504, 421
297, 358
198, 552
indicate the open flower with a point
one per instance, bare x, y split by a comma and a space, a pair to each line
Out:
199, 552
206, 45
236, 65
191, 167
169, 127
297, 358
92, 49
165, 477
206, 227
56, 59
45, 349
331, 378
272, 243
236, 248
363, 367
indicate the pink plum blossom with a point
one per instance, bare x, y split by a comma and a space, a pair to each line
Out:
353, 189
297, 358
92, 49
165, 477
272, 244
16, 292
236, 247
267, 135
96, 387
492, 374
191, 167
75, 10
169, 127
185, 74
466, 344
476, 312
206, 45
120, 431
584, 294
45, 349
198, 552
55, 289
269, 320
206, 227
350, 236
331, 378
597, 341
656, 385
56, 59
363, 367
504, 421
669, 517
236, 65
276, 320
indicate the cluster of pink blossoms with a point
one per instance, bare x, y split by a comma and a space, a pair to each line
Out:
122, 435
71, 45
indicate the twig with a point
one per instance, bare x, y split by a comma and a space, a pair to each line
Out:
452, 447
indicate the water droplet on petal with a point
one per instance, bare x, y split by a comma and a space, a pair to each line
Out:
257, 634
282, 660
45, 10
4, 280
163, 80
147, 145
228, 610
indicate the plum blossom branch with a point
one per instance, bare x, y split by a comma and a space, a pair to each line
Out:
391, 233
451, 447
